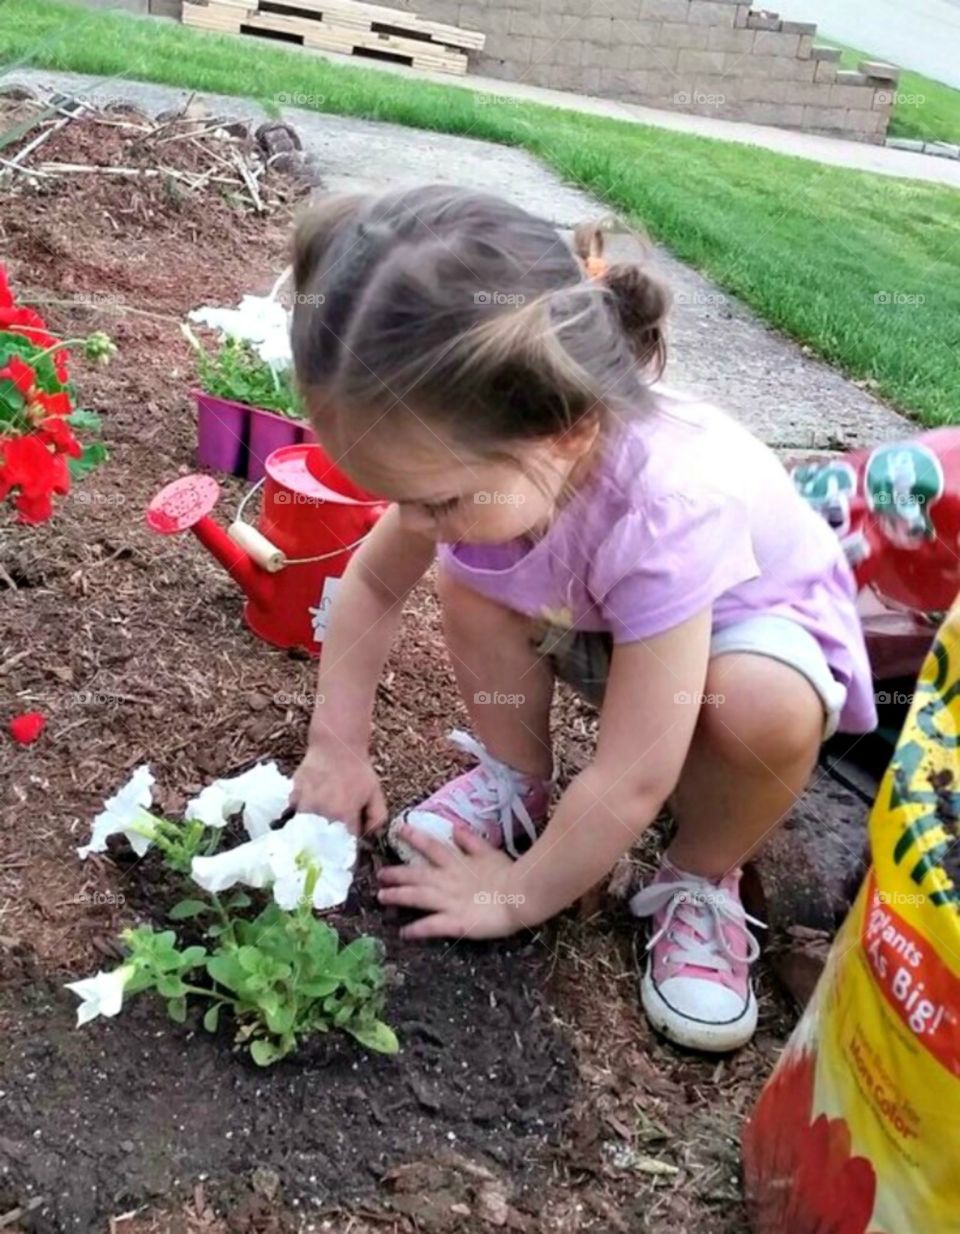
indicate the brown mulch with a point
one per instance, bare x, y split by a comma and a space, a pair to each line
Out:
558, 1109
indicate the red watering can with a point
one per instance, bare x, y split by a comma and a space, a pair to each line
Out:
312, 519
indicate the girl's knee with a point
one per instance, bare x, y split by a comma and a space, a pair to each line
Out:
762, 711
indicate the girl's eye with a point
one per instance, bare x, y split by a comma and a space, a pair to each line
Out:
439, 508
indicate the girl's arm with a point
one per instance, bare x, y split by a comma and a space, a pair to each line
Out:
649, 714
363, 622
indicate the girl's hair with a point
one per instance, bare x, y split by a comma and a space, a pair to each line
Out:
469, 312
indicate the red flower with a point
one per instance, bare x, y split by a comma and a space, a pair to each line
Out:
22, 375
28, 465
6, 300
55, 431
799, 1175
26, 728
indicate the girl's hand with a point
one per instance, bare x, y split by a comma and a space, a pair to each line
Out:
465, 890
339, 784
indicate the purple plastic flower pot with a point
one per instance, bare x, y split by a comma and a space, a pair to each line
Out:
268, 432
222, 429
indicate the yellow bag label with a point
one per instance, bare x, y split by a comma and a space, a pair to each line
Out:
858, 1129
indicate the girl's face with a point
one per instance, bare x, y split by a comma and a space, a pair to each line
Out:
447, 492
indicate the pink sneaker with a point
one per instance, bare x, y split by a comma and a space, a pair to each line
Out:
696, 988
490, 798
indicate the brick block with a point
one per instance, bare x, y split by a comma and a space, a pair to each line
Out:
469, 16
617, 82
806, 46
786, 115
679, 34
763, 21
595, 30
635, 30
599, 56
853, 98
589, 81
876, 68
869, 123
621, 10
826, 53
832, 119
700, 61
167, 8
709, 13
743, 14
884, 99
826, 71
792, 70
752, 67
721, 39
659, 59
569, 52
799, 27
807, 93
513, 47
758, 89
536, 75
773, 43
847, 77
668, 10
495, 21
566, 77
523, 23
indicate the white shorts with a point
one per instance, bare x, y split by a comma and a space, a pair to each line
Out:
582, 657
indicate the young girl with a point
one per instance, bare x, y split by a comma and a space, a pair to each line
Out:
460, 360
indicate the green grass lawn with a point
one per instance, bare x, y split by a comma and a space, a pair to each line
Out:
925, 110
864, 269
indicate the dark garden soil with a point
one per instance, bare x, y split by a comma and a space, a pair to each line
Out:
529, 1093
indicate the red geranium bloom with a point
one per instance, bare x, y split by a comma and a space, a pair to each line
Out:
22, 375
55, 431
5, 297
27, 727
799, 1175
28, 465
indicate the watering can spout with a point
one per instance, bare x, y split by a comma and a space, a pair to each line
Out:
185, 505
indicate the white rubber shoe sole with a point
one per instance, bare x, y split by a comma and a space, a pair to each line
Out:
683, 1030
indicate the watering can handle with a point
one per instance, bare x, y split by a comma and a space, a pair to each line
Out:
270, 557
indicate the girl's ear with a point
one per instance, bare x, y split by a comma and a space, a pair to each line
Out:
579, 439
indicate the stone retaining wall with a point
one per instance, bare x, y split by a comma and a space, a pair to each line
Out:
710, 57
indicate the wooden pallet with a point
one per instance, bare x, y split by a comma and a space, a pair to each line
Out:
342, 26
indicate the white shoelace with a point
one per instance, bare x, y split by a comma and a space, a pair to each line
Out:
501, 793
705, 908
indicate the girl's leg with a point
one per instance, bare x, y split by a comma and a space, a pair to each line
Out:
754, 748
751, 758
506, 685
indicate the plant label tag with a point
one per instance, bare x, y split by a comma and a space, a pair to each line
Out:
321, 614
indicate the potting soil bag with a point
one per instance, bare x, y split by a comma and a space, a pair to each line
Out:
858, 1129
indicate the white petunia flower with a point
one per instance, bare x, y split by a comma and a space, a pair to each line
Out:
310, 840
260, 321
262, 793
125, 812
283, 858
102, 994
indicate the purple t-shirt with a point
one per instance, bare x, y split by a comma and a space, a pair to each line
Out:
683, 509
